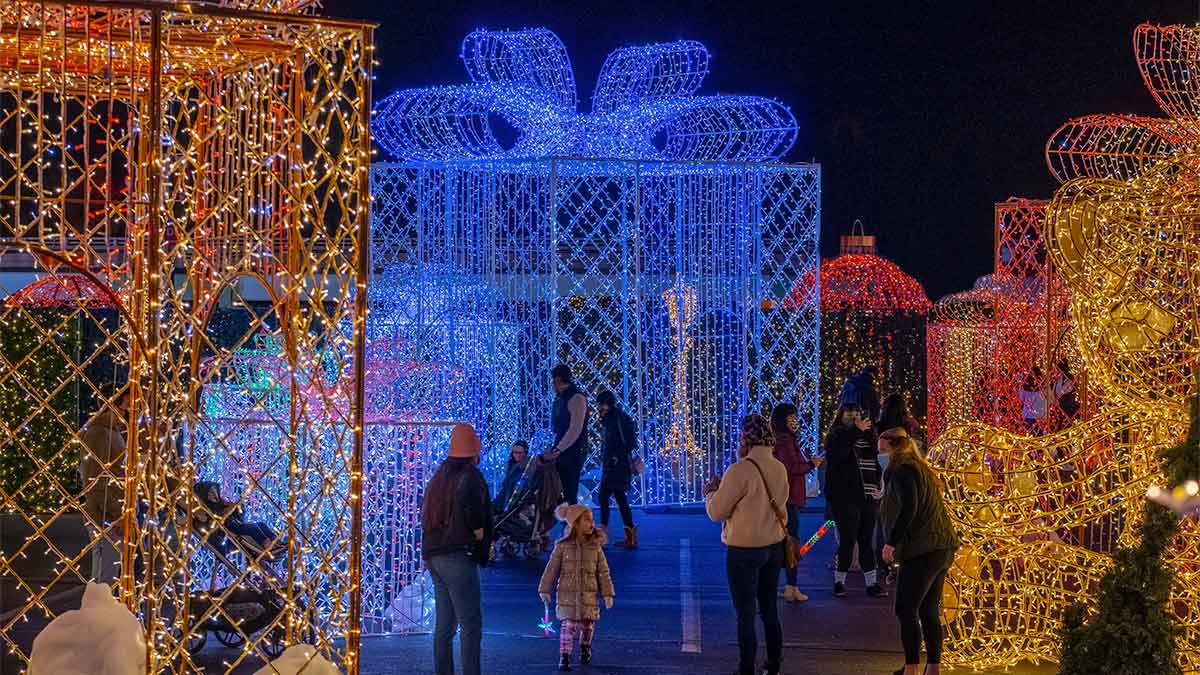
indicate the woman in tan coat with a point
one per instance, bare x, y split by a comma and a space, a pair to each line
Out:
579, 565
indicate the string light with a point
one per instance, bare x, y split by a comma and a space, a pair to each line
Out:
644, 107
1040, 514
641, 275
872, 313
184, 154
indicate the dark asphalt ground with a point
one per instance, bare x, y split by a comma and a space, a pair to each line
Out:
644, 632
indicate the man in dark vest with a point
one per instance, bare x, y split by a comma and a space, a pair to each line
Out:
569, 420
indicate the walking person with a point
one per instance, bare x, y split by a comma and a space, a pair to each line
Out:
1064, 391
853, 490
620, 439
569, 421
784, 423
921, 538
581, 571
745, 502
456, 539
102, 475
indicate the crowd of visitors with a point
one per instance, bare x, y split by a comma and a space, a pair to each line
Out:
884, 497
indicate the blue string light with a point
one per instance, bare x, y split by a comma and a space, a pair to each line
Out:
644, 107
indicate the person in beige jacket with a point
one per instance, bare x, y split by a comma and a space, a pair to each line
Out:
579, 565
741, 501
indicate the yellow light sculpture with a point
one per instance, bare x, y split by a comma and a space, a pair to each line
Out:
1039, 514
681, 308
180, 155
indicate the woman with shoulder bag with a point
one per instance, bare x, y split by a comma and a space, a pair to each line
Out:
747, 502
456, 524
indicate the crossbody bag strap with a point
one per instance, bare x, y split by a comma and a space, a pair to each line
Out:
782, 519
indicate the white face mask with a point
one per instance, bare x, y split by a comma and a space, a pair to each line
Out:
884, 460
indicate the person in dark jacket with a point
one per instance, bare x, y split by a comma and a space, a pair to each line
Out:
860, 390
895, 413
569, 421
853, 486
456, 533
518, 460
784, 423
620, 439
921, 537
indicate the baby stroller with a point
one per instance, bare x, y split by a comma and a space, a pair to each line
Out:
522, 526
253, 602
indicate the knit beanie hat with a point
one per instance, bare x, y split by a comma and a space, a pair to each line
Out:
464, 442
757, 431
570, 513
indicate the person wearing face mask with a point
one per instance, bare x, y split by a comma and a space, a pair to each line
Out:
456, 533
921, 538
852, 490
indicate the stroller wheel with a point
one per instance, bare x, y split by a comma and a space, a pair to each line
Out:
510, 548
532, 550
273, 643
230, 638
195, 640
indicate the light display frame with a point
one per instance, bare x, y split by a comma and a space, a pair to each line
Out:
592, 258
1121, 235
172, 152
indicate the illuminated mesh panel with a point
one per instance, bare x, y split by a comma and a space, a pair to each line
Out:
184, 170
650, 281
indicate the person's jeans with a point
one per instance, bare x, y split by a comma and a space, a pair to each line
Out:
856, 525
570, 466
919, 604
793, 573
753, 580
622, 505
457, 600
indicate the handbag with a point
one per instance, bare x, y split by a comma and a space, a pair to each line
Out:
791, 545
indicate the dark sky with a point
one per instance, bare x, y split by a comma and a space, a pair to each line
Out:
922, 114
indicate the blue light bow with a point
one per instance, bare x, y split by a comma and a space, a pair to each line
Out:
644, 107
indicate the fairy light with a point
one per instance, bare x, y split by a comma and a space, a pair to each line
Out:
176, 151
587, 256
644, 107
872, 313
1040, 514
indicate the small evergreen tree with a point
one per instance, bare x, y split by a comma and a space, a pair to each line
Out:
1133, 631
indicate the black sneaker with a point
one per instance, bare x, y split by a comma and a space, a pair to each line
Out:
565, 666
839, 589
876, 591
585, 654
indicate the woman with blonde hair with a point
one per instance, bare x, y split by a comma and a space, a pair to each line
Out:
919, 536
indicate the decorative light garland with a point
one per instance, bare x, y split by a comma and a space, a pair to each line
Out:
1039, 514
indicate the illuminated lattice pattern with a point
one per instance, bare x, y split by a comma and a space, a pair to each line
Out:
647, 278
187, 159
872, 313
644, 107
982, 343
1124, 236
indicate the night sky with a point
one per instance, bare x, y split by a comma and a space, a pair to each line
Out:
922, 114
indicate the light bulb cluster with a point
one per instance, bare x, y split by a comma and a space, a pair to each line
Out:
187, 155
1039, 514
644, 107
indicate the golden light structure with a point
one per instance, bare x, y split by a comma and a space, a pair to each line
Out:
187, 156
1040, 514
680, 300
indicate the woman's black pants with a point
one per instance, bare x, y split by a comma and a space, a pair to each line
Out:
919, 604
855, 525
753, 575
622, 505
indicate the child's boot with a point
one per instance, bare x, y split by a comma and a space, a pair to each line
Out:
585, 654
630, 541
565, 666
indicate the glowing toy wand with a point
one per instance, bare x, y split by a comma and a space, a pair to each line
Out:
816, 537
546, 624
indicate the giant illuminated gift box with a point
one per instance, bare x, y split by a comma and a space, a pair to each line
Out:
647, 244
170, 152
